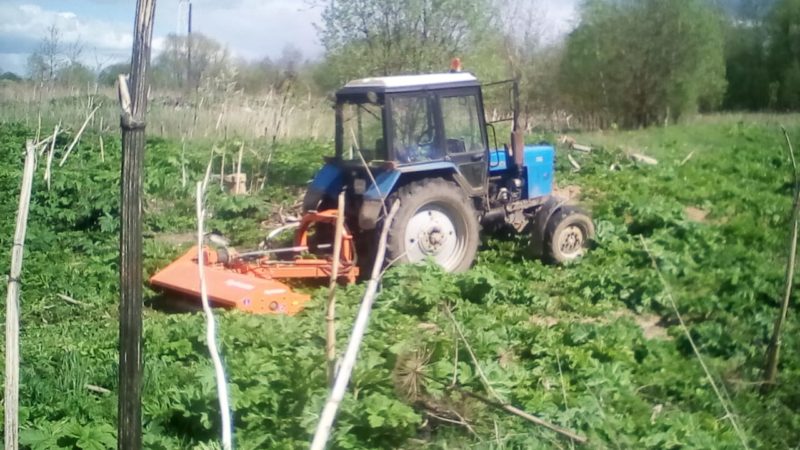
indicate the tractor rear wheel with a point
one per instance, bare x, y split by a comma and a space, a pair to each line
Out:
567, 235
436, 220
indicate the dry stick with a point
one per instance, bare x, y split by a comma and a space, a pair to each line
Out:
77, 137
183, 161
208, 170
461, 421
638, 157
211, 335
674, 305
484, 380
582, 148
238, 177
11, 398
393, 262
97, 389
43, 145
513, 410
561, 379
359, 328
71, 300
103, 150
575, 166
685, 160
499, 402
47, 173
266, 169
455, 363
222, 171
368, 170
39, 127
330, 312
773, 351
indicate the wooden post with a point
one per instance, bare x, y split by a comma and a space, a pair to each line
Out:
330, 311
11, 398
133, 100
189, 78
773, 352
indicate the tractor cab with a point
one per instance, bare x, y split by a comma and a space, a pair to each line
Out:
414, 120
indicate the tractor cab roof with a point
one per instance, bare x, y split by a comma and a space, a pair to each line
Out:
408, 83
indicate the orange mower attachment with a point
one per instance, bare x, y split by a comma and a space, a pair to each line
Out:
248, 281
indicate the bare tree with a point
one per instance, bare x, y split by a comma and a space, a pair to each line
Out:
209, 60
44, 63
56, 60
528, 59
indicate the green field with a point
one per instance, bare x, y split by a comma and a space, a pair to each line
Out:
594, 347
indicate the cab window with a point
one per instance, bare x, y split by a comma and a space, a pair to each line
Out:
462, 130
413, 129
362, 131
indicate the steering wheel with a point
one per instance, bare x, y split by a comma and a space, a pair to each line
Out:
426, 136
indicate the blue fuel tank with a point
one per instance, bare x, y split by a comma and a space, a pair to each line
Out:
538, 160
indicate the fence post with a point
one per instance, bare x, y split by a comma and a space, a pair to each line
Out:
133, 100
11, 398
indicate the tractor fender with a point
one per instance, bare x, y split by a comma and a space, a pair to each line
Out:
326, 183
540, 220
387, 182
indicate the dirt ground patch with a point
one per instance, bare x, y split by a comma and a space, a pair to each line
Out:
570, 192
696, 214
649, 323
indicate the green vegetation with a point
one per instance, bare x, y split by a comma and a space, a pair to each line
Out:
406, 36
576, 345
643, 62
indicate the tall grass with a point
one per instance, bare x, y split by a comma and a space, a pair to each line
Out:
272, 115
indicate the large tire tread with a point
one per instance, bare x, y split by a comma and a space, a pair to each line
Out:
417, 194
563, 218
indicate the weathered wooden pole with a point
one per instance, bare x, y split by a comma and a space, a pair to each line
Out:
330, 310
773, 351
133, 100
11, 399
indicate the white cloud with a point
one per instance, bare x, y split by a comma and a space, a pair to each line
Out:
250, 28
254, 28
22, 28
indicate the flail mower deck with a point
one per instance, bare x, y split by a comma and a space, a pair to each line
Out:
249, 281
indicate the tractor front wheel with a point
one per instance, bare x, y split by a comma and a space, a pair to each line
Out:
567, 235
436, 220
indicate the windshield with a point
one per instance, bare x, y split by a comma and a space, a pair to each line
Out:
362, 131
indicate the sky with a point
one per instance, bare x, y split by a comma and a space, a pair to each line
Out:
251, 29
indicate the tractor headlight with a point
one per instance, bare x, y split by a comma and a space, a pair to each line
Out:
359, 186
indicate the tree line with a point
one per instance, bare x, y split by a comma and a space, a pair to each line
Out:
632, 63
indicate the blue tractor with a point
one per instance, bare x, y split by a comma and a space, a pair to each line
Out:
425, 141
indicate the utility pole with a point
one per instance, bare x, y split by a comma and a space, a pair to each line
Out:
133, 102
189, 78
180, 22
